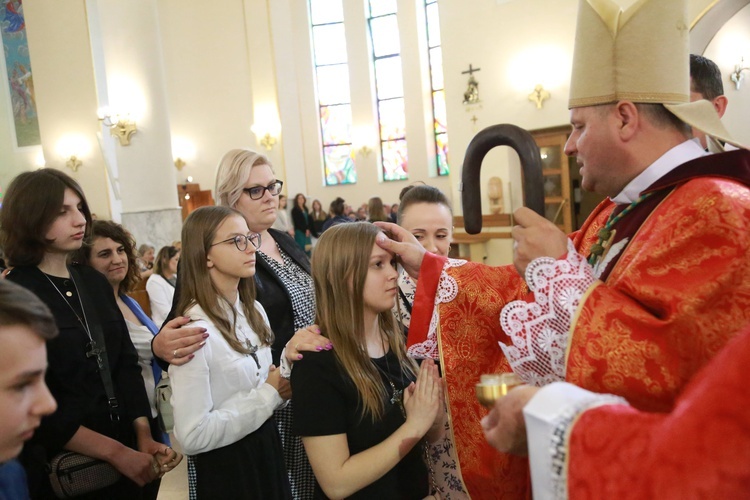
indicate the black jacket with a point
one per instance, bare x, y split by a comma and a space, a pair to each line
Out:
300, 222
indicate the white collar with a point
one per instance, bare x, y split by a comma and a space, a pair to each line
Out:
688, 150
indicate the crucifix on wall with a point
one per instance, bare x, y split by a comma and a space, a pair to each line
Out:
471, 96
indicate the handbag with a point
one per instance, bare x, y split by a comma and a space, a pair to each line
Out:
164, 405
72, 474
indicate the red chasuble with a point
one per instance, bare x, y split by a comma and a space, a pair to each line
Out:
678, 291
699, 450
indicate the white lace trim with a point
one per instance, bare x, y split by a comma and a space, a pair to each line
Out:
446, 292
539, 330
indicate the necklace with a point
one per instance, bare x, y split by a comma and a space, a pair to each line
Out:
92, 350
397, 395
607, 234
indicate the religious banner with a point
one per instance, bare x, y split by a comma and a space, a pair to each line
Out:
18, 69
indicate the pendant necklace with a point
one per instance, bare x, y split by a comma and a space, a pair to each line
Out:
92, 350
397, 395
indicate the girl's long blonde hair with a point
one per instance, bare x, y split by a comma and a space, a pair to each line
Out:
339, 268
198, 233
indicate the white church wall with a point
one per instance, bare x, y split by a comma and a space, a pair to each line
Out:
730, 44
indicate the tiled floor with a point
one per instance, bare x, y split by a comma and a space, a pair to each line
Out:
174, 486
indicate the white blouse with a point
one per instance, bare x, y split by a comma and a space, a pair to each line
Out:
220, 396
141, 338
160, 295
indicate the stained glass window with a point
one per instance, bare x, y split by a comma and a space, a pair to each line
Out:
332, 84
389, 88
435, 56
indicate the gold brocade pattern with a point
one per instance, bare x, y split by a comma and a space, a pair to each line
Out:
469, 333
679, 292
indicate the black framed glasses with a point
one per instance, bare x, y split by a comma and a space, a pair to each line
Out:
257, 192
240, 241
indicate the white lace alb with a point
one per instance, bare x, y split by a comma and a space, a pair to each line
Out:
539, 330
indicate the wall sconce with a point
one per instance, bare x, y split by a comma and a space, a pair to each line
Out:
266, 134
183, 151
267, 128
737, 75
362, 138
120, 125
539, 96
72, 148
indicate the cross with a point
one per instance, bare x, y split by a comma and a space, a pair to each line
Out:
470, 70
94, 352
474, 119
253, 349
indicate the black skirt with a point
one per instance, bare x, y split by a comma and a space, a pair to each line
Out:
251, 468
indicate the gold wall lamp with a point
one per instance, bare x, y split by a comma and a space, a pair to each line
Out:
72, 148
120, 125
539, 96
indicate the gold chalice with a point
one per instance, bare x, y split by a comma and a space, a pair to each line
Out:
493, 386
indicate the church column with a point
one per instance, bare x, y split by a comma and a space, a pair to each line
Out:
130, 82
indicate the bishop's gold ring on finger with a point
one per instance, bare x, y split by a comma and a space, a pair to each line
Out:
174, 354
155, 468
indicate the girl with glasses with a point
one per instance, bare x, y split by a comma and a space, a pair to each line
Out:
224, 399
245, 181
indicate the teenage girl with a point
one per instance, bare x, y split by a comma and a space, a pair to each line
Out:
363, 408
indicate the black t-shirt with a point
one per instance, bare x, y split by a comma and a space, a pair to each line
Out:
326, 403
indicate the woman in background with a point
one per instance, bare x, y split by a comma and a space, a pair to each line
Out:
160, 286
282, 218
224, 399
319, 217
426, 213
146, 254
360, 415
38, 244
111, 252
302, 223
375, 210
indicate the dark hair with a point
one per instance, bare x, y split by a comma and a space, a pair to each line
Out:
338, 206
31, 205
163, 257
660, 117
304, 204
411, 195
19, 306
117, 233
705, 77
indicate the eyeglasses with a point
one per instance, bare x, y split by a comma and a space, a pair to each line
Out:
240, 241
257, 192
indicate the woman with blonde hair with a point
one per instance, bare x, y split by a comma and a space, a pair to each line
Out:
360, 413
224, 399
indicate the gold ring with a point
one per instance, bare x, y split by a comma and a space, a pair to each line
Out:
155, 468
295, 347
174, 354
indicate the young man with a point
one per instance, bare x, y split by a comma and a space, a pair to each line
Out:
652, 286
706, 83
25, 325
